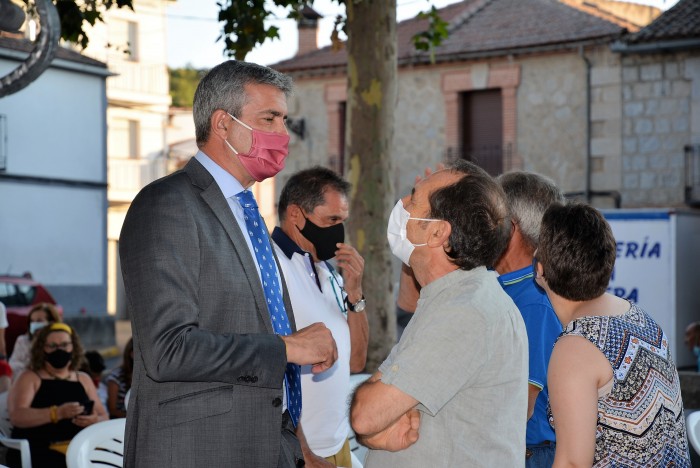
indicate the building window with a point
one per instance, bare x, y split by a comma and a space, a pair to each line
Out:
124, 40
3, 142
481, 129
480, 111
134, 139
335, 97
340, 161
133, 40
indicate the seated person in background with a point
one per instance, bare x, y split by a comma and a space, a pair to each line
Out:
94, 366
50, 402
692, 340
119, 382
38, 317
5, 370
613, 386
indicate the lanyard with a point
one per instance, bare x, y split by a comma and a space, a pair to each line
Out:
333, 279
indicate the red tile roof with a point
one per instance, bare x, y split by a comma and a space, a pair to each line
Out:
481, 28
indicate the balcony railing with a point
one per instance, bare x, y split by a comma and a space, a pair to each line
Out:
139, 78
128, 176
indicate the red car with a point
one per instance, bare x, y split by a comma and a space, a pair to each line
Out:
20, 294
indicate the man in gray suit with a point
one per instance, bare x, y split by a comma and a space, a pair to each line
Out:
211, 384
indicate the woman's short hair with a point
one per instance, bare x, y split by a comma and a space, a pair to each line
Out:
577, 251
38, 355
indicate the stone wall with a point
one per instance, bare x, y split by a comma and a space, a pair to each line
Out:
661, 94
644, 110
552, 118
606, 124
418, 136
550, 127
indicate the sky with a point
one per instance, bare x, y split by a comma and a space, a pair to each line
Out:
192, 29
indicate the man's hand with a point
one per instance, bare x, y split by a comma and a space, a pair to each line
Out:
312, 345
398, 436
311, 460
353, 266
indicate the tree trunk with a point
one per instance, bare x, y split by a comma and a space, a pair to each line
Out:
371, 102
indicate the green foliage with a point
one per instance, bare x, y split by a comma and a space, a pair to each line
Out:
183, 83
244, 24
436, 33
75, 13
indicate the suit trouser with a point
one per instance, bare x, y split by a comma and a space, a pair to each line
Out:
290, 450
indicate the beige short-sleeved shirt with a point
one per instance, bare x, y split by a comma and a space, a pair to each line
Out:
463, 356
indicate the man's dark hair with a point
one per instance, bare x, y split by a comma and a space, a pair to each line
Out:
307, 189
476, 209
528, 196
224, 88
577, 251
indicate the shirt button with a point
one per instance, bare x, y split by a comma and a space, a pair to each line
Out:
395, 367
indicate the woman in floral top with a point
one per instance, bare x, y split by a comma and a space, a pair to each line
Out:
614, 391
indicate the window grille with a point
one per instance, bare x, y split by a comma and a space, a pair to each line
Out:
692, 174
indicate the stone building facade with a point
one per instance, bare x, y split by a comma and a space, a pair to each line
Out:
605, 125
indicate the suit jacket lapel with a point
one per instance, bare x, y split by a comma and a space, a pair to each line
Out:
212, 196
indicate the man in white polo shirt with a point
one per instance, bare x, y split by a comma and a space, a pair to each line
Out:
312, 207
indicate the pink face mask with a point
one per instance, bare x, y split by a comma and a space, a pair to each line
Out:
267, 153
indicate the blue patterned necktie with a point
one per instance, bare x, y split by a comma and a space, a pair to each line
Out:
273, 293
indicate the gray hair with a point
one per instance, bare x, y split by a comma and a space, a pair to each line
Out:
224, 88
528, 196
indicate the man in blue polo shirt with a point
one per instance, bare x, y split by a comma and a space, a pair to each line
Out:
528, 196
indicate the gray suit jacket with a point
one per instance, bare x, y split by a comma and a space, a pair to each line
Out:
208, 369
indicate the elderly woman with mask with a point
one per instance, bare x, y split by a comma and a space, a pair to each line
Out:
51, 401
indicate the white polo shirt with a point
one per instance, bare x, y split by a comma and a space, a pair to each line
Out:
317, 296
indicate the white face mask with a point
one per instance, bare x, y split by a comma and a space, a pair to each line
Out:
35, 326
400, 246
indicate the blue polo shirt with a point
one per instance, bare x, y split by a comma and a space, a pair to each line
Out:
543, 328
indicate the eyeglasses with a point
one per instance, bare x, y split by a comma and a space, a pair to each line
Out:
54, 346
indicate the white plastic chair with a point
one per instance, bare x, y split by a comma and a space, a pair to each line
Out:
19, 444
6, 429
101, 444
692, 426
126, 399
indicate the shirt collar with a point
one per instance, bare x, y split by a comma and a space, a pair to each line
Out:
517, 275
229, 185
288, 246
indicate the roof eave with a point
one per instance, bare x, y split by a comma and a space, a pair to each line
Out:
526, 50
21, 56
424, 58
655, 46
